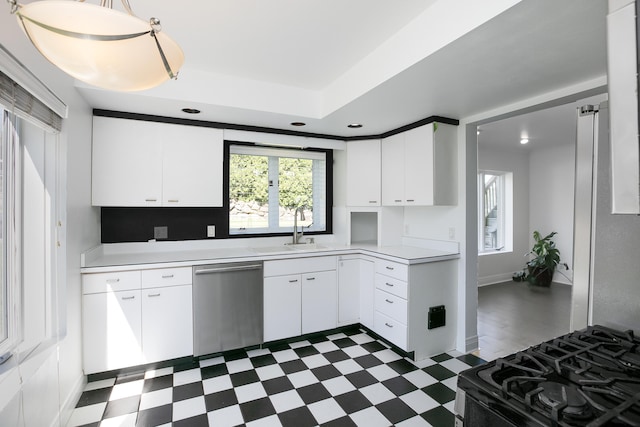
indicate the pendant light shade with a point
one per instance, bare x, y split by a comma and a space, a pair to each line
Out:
101, 46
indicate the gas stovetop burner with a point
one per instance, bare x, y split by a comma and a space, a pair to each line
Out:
556, 396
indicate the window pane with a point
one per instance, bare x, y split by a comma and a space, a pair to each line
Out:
3, 287
248, 192
491, 207
296, 191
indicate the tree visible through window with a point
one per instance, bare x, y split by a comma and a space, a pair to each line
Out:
268, 185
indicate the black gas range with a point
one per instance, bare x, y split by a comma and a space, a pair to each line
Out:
590, 377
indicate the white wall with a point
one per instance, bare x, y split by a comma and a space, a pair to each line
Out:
45, 389
551, 189
499, 267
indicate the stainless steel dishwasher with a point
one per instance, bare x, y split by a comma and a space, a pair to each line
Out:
227, 307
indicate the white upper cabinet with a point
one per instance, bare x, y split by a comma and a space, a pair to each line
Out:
363, 173
419, 167
139, 163
192, 166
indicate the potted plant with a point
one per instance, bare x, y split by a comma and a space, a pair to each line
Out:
540, 268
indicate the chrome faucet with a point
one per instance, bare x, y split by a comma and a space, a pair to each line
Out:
298, 236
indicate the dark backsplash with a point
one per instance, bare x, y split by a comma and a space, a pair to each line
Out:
120, 225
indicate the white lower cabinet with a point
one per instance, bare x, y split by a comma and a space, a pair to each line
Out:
302, 302
136, 317
282, 307
112, 330
167, 323
403, 296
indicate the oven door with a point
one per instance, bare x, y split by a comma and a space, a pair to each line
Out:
470, 412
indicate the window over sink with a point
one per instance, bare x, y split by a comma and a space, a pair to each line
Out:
272, 188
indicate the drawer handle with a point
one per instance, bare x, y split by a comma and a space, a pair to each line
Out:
389, 268
311, 278
173, 200
125, 298
373, 201
113, 280
397, 201
167, 276
293, 281
389, 284
153, 295
388, 325
150, 200
389, 301
410, 200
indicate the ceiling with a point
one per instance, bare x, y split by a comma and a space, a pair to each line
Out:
383, 64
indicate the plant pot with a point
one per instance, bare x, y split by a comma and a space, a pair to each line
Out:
540, 276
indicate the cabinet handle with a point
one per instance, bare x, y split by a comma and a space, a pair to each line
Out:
113, 280
167, 276
173, 200
398, 201
153, 295
373, 201
125, 298
389, 301
389, 284
410, 200
388, 325
293, 281
311, 278
150, 200
389, 268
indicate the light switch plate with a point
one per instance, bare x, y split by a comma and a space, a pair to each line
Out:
211, 231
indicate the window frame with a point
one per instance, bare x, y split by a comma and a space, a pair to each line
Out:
262, 232
504, 218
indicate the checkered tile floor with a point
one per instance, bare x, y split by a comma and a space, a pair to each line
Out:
346, 379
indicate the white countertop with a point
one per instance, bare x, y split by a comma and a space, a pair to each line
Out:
106, 258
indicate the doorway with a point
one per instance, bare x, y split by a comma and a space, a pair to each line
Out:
512, 316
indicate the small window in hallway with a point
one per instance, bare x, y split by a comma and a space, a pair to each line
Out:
495, 208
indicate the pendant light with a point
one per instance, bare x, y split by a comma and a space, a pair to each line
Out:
99, 45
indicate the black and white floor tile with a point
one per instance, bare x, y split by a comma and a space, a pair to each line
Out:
345, 379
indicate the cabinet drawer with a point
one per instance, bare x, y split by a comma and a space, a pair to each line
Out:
166, 277
94, 283
391, 305
392, 285
390, 329
299, 266
392, 269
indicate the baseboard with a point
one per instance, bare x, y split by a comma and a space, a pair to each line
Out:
472, 343
495, 278
69, 404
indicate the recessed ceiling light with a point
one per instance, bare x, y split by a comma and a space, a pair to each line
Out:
524, 141
298, 124
354, 126
191, 110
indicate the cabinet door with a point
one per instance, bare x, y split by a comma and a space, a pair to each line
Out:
192, 166
367, 288
363, 173
319, 301
112, 336
348, 291
167, 324
418, 160
126, 163
393, 170
282, 307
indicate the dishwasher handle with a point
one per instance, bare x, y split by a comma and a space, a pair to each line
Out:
224, 269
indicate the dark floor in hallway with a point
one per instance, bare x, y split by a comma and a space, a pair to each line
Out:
513, 316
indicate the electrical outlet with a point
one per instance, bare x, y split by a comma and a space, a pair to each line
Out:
161, 232
211, 231
452, 232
